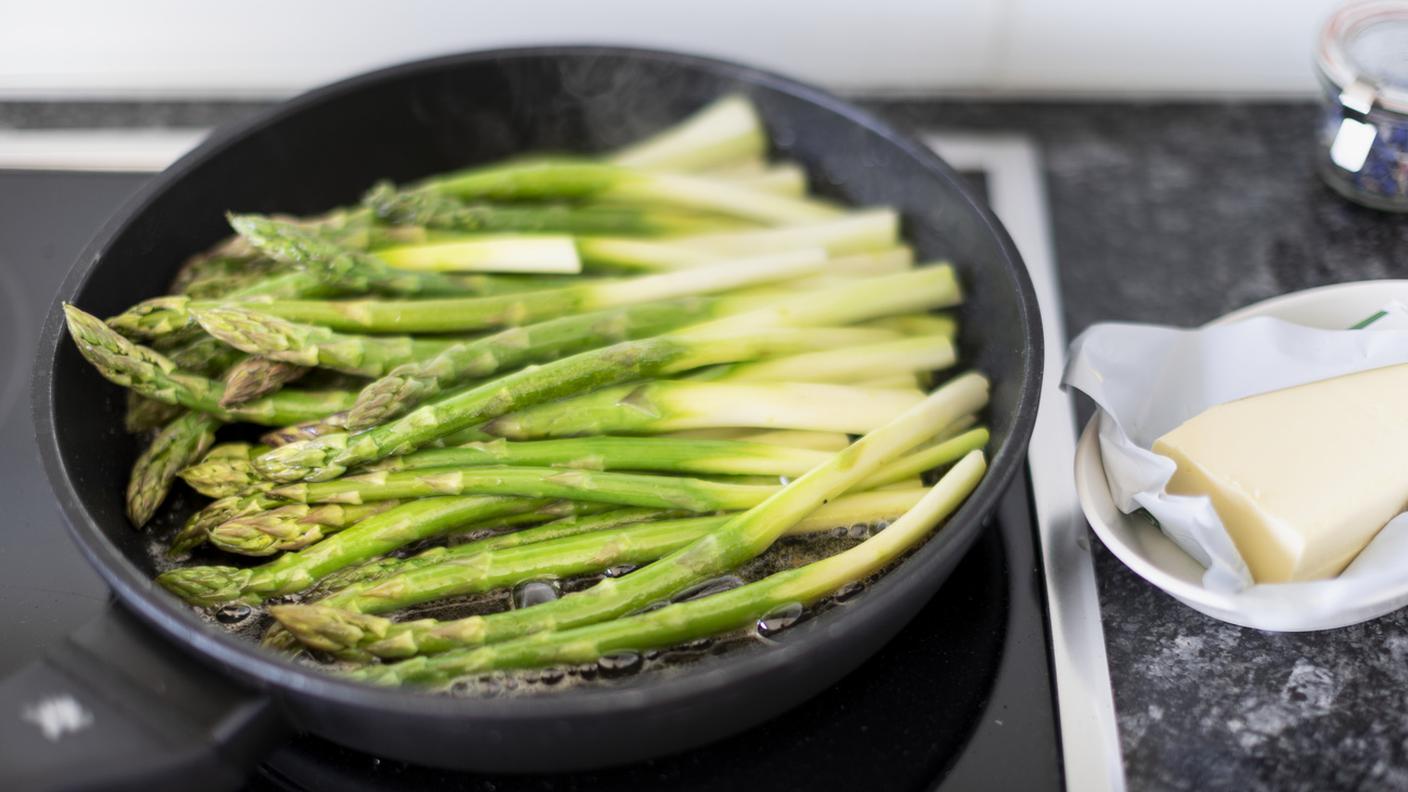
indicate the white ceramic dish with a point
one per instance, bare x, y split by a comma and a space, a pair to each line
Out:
1151, 555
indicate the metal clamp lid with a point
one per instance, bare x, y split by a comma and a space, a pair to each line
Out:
1363, 53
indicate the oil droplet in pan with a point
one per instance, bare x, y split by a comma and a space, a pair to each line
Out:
619, 663
716, 585
534, 592
233, 613
848, 591
780, 619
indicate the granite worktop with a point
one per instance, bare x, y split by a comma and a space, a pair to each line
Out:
1169, 213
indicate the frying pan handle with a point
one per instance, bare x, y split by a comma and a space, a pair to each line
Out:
115, 706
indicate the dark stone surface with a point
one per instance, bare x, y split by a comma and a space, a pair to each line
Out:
87, 115
1170, 213
1177, 214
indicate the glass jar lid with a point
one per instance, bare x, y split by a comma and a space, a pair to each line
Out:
1364, 53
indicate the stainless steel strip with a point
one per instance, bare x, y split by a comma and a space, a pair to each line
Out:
131, 150
1089, 735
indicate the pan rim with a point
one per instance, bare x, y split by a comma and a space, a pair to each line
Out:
177, 623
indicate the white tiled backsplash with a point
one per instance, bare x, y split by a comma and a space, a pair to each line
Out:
277, 47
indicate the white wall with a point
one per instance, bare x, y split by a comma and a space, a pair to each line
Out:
277, 47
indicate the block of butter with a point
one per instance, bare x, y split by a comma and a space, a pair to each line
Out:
1302, 478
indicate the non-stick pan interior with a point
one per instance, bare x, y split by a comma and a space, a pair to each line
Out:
326, 148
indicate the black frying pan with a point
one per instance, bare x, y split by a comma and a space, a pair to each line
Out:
151, 695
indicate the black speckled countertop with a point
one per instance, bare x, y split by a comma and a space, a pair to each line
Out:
1168, 213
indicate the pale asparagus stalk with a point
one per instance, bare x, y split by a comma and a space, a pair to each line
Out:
510, 253
851, 364
856, 232
918, 324
783, 178
719, 134
661, 406
577, 179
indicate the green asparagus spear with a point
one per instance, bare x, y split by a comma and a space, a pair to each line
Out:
478, 313
920, 289
349, 584
675, 455
356, 579
309, 345
740, 539
233, 450
166, 316
350, 270
199, 354
154, 376
291, 527
163, 316
485, 571
622, 489
672, 624
575, 179
377, 535
436, 211
543, 553
307, 430
208, 277
183, 441
209, 264
145, 415
361, 577
414, 383
227, 473
256, 377
327, 457
658, 406
197, 528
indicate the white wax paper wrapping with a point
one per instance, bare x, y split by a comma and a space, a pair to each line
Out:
1149, 379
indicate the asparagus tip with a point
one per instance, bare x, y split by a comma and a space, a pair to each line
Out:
265, 533
206, 585
309, 460
329, 629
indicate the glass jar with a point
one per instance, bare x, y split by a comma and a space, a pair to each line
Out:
1363, 66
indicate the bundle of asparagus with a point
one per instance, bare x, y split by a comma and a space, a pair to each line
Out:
649, 364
